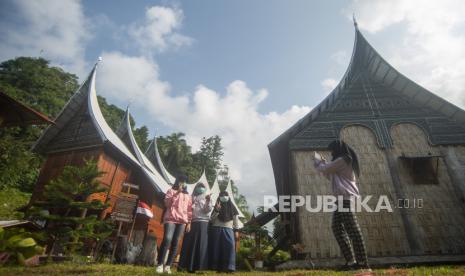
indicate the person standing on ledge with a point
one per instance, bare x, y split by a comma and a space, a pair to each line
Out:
178, 214
342, 171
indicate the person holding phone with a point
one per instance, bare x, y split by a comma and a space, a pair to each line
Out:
194, 252
177, 218
342, 170
225, 223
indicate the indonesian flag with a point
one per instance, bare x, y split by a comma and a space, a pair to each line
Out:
143, 208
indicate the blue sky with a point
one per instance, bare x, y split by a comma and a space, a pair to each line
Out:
245, 70
285, 48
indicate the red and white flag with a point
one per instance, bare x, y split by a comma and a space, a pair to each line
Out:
144, 208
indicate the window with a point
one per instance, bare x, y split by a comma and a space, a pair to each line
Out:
422, 169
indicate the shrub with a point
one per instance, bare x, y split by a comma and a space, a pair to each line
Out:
18, 243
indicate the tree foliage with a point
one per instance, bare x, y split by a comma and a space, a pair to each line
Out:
210, 156
34, 82
46, 89
10, 200
67, 208
43, 87
178, 158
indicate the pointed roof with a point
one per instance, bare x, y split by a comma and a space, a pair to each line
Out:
84, 99
15, 113
231, 196
215, 190
85, 103
374, 94
202, 179
154, 156
263, 218
124, 131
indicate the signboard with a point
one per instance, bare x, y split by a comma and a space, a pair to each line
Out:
124, 209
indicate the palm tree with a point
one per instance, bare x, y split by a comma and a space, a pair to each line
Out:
175, 151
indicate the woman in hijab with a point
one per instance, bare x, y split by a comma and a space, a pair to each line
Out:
342, 170
176, 218
225, 223
194, 252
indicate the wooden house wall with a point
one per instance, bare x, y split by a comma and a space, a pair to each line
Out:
155, 224
116, 173
55, 163
441, 221
149, 196
119, 172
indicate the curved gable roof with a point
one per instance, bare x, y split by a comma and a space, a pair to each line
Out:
366, 67
125, 132
154, 156
85, 100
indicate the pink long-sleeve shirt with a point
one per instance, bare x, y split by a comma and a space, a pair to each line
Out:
178, 207
342, 177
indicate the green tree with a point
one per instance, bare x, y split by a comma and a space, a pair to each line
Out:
47, 89
210, 155
142, 137
43, 87
10, 200
65, 206
241, 201
19, 167
112, 114
177, 150
37, 84
177, 156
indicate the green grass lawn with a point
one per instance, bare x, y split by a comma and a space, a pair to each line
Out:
106, 269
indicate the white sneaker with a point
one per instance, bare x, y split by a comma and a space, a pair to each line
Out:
167, 269
159, 269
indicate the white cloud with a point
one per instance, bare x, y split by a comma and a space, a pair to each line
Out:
340, 57
339, 61
158, 32
54, 29
59, 28
431, 50
329, 84
232, 114
136, 79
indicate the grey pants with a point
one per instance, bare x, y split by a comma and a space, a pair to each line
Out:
171, 238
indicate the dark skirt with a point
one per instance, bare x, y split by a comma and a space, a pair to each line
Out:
194, 252
222, 249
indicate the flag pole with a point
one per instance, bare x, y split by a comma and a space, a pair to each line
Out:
133, 222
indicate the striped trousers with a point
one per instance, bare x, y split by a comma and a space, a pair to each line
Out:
349, 236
